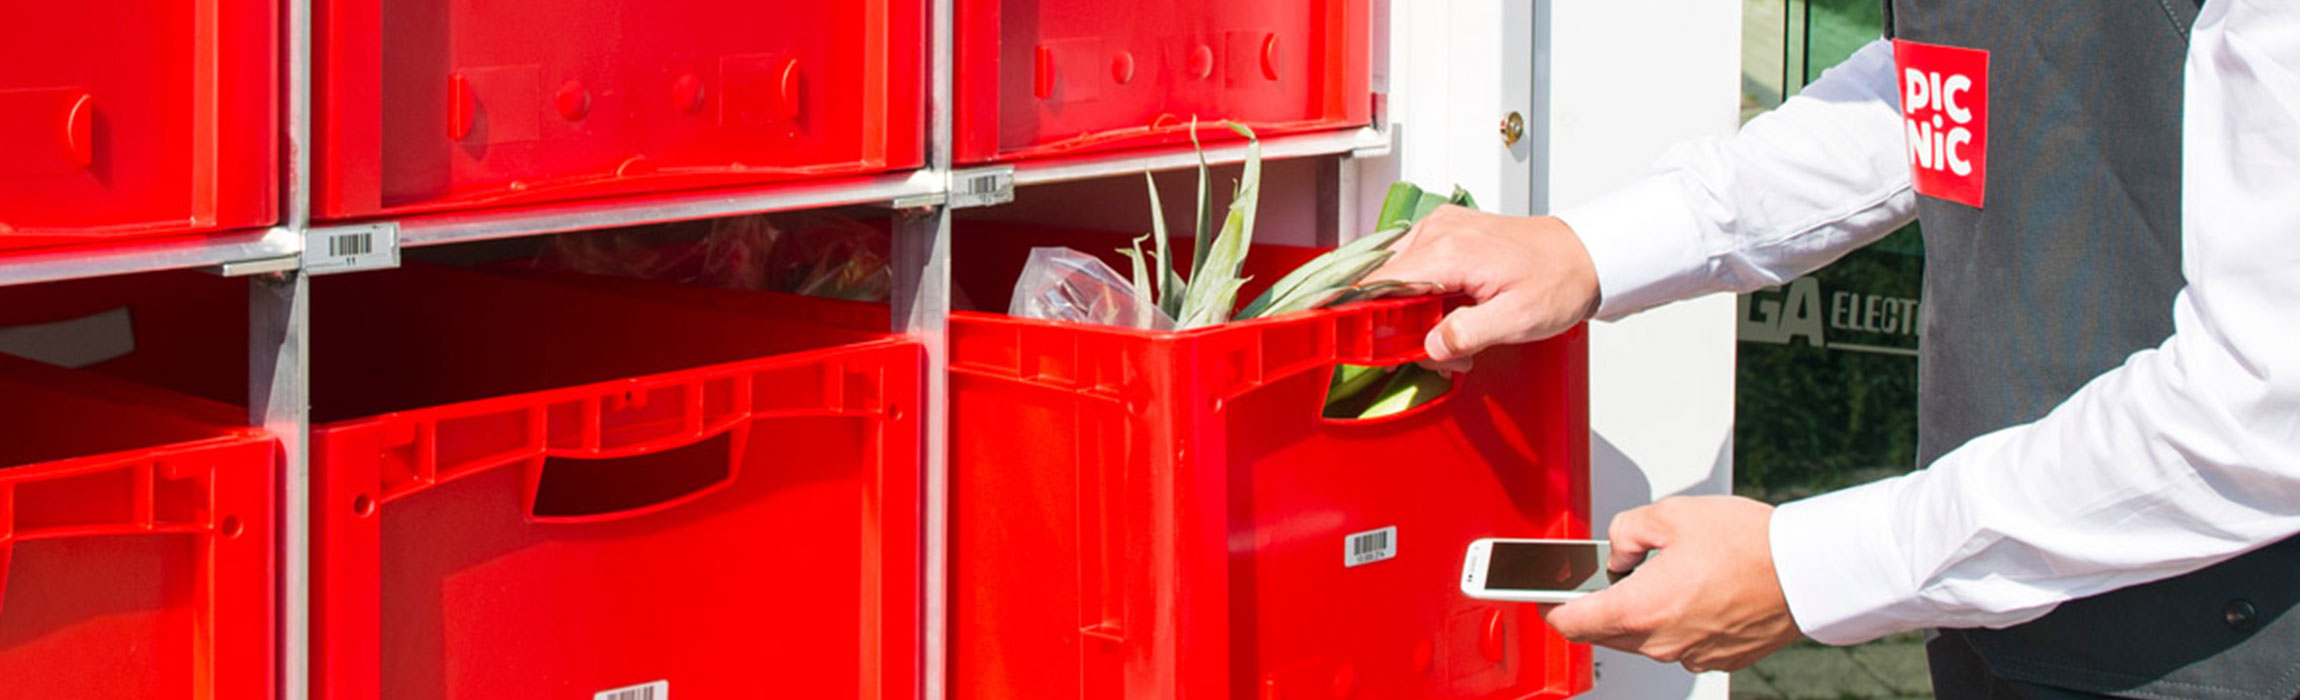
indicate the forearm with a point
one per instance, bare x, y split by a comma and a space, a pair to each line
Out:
1795, 189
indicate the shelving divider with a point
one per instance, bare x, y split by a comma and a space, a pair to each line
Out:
922, 309
279, 400
279, 356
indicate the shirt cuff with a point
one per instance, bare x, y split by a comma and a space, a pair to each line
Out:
1840, 567
1645, 244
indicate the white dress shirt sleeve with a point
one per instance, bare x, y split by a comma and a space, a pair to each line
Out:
1796, 189
2186, 455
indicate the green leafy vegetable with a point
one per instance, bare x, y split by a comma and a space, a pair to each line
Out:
1171, 287
1325, 277
1410, 386
1214, 289
1144, 301
1205, 220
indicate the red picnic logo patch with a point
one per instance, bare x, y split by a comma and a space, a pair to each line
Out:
1945, 103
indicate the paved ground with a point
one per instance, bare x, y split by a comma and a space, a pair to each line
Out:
1888, 669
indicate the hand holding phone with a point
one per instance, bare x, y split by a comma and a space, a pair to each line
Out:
1536, 571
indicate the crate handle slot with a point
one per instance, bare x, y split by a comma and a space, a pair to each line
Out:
1388, 332
582, 488
1363, 393
1375, 348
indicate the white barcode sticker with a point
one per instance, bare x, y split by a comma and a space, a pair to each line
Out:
982, 187
1370, 546
347, 248
658, 690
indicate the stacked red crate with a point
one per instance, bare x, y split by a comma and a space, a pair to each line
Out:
1042, 78
527, 489
129, 119
431, 105
136, 542
1141, 515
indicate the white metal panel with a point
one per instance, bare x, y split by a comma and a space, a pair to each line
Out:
1624, 82
1605, 87
1458, 68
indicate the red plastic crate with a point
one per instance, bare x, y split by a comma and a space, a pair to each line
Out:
135, 118
1040, 78
136, 542
430, 105
1147, 515
528, 489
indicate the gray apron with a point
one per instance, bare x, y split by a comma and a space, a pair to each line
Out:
2068, 265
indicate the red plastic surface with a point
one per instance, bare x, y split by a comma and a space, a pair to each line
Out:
1050, 77
136, 542
426, 104
135, 118
529, 489
1146, 515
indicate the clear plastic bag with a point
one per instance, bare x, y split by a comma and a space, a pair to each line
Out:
668, 252
816, 254
826, 255
1060, 284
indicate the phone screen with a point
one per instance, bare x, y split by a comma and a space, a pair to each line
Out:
1545, 566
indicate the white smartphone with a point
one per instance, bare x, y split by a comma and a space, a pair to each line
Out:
1535, 571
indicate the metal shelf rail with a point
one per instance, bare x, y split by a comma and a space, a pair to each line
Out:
277, 244
278, 262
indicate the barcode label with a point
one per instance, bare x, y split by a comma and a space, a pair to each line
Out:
983, 183
982, 187
658, 690
1370, 546
350, 244
354, 247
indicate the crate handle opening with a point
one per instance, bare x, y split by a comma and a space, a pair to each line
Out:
578, 489
1359, 393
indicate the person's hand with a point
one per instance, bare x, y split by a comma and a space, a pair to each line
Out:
1709, 600
1528, 278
